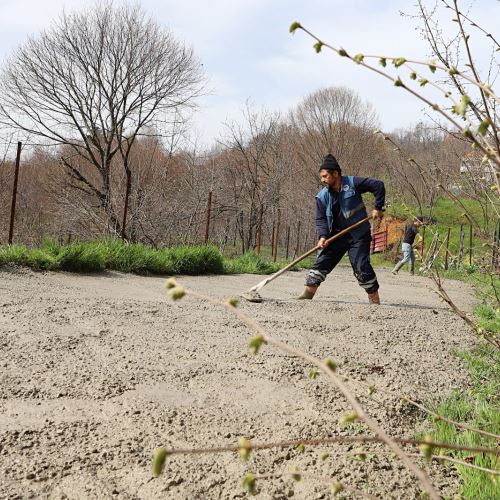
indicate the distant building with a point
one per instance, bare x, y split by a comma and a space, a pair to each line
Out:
472, 164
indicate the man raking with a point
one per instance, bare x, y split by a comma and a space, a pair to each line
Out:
339, 205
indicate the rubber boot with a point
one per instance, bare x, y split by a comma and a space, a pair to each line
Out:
397, 267
308, 293
373, 298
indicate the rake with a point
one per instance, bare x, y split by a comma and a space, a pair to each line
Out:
253, 294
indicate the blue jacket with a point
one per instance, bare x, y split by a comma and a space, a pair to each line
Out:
336, 211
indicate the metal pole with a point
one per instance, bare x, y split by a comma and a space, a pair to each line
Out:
14, 192
207, 216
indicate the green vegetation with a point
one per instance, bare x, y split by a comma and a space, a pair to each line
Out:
251, 263
479, 408
96, 256
448, 214
479, 405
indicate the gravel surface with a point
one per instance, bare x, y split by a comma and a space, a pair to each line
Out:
96, 371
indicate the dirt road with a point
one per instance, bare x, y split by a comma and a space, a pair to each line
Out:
97, 371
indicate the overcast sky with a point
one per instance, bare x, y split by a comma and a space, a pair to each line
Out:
248, 53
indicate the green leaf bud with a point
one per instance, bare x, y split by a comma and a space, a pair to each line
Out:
317, 47
245, 449
483, 127
325, 455
413, 75
159, 459
432, 66
423, 82
461, 108
301, 448
358, 58
330, 364
336, 488
350, 417
170, 283
295, 475
294, 26
313, 374
383, 62
342, 52
398, 61
249, 484
453, 71
256, 343
371, 388
176, 293
426, 448
233, 302
398, 82
467, 133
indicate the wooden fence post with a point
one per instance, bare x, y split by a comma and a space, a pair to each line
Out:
495, 250
272, 239
447, 252
259, 228
207, 216
14, 193
461, 246
125, 206
297, 243
470, 245
287, 241
277, 236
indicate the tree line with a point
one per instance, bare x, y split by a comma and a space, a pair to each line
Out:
103, 99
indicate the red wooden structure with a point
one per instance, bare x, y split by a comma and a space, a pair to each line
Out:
379, 241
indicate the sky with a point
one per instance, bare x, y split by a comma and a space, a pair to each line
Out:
250, 56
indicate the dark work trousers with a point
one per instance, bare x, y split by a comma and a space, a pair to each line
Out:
358, 248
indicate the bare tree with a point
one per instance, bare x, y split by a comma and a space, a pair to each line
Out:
94, 83
335, 120
256, 165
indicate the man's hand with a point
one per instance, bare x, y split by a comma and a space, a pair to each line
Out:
377, 214
321, 243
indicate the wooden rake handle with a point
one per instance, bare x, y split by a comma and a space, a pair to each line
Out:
264, 282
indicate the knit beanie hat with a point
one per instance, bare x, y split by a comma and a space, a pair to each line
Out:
330, 163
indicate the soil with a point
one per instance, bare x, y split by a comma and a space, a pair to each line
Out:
97, 371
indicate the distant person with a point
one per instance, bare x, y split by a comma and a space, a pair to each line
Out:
408, 253
340, 205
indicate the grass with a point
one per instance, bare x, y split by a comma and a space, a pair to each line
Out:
96, 256
478, 407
